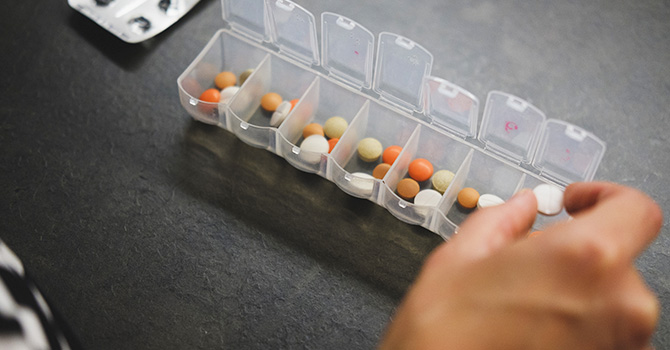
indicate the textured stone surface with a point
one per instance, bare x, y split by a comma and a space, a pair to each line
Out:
148, 230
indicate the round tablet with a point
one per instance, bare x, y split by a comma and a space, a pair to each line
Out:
408, 188
442, 179
380, 170
244, 75
271, 101
280, 114
332, 143
468, 197
361, 181
312, 147
335, 127
312, 129
228, 93
429, 198
391, 153
489, 200
420, 169
369, 149
224, 80
210, 95
549, 199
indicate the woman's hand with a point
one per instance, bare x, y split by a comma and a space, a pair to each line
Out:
572, 287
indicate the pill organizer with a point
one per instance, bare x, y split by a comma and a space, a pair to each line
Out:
134, 20
393, 98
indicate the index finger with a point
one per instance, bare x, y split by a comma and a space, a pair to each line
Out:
621, 218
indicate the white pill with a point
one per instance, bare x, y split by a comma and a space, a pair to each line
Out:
549, 199
363, 182
428, 198
312, 147
280, 113
228, 93
489, 200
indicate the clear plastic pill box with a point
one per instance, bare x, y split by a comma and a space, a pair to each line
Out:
390, 96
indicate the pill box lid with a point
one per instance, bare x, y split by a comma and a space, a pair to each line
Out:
451, 107
247, 17
400, 70
510, 126
347, 50
293, 30
567, 153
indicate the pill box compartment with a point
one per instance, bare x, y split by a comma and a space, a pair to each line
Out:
445, 153
376, 121
246, 118
400, 104
226, 51
485, 174
322, 101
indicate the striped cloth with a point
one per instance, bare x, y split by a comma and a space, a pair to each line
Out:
26, 321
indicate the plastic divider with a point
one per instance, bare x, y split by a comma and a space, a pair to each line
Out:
441, 224
344, 152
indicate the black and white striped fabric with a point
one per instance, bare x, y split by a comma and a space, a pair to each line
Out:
26, 321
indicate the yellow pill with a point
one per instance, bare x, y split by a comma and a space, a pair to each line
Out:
335, 127
369, 149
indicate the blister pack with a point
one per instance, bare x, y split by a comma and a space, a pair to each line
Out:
134, 21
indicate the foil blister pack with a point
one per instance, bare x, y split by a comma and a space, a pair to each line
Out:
134, 21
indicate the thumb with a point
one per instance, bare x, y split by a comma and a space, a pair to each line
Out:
490, 229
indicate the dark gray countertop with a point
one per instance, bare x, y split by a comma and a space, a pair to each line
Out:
149, 230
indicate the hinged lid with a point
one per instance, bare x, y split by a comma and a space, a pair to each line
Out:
247, 17
347, 49
510, 126
402, 66
567, 153
293, 30
451, 107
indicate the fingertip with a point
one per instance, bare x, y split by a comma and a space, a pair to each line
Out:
492, 228
526, 199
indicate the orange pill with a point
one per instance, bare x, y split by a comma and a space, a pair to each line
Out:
468, 197
293, 103
391, 153
211, 95
408, 188
224, 80
421, 169
271, 101
534, 234
380, 170
332, 143
312, 129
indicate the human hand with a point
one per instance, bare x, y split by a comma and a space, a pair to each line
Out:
572, 287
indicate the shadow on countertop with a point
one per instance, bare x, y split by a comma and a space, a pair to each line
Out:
302, 210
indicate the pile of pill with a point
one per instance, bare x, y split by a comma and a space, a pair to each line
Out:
370, 150
549, 199
225, 87
469, 198
319, 139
